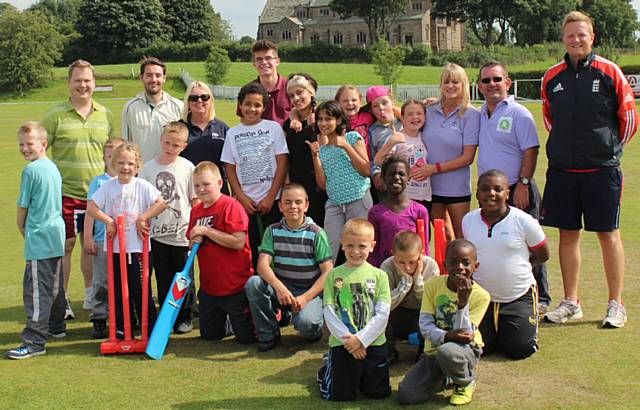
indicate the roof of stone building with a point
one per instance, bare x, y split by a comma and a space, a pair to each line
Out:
319, 3
294, 19
275, 10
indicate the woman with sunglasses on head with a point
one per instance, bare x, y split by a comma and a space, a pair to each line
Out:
450, 134
206, 132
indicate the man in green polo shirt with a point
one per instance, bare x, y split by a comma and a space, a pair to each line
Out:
78, 129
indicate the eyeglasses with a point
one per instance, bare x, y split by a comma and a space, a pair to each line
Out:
195, 97
488, 80
267, 59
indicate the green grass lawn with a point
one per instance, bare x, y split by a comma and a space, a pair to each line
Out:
579, 365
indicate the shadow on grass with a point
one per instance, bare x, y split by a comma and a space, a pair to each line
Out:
579, 323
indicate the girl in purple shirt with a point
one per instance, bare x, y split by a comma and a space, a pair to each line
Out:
397, 212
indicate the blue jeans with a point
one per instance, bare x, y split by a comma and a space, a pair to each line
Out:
263, 303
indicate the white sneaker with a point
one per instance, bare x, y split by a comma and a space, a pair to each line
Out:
68, 312
616, 315
565, 311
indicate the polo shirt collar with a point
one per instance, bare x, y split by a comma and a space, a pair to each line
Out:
507, 101
95, 106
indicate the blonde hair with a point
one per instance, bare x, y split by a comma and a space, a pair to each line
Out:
576, 16
407, 241
177, 128
126, 147
345, 88
185, 108
358, 227
33, 129
451, 71
207, 166
80, 64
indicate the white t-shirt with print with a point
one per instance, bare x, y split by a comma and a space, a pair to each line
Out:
130, 200
175, 183
253, 149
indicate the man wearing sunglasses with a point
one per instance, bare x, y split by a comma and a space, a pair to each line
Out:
266, 61
144, 116
590, 113
508, 141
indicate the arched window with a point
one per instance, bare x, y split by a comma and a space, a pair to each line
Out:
337, 38
361, 38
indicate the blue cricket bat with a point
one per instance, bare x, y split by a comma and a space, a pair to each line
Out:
170, 309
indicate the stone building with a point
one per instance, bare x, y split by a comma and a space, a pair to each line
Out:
309, 21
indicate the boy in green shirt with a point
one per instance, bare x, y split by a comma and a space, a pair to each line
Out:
452, 308
356, 309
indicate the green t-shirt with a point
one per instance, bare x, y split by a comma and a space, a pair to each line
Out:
441, 303
353, 292
76, 145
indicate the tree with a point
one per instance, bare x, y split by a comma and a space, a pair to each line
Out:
29, 47
5, 7
217, 65
387, 61
192, 21
63, 14
542, 22
378, 14
615, 21
112, 29
484, 16
247, 40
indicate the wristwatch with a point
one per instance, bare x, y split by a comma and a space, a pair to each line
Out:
524, 181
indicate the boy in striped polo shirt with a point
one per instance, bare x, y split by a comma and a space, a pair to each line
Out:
295, 258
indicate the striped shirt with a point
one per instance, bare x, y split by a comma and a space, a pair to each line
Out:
297, 253
76, 145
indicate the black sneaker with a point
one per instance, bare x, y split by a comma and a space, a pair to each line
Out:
268, 345
285, 318
394, 357
100, 330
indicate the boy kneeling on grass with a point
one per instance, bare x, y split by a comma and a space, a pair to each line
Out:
452, 308
40, 223
356, 310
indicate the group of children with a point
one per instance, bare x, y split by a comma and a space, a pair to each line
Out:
387, 288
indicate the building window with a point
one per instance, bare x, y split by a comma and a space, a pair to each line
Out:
315, 37
269, 32
416, 5
286, 35
337, 38
408, 40
302, 14
324, 12
361, 38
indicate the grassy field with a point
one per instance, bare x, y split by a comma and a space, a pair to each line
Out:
579, 365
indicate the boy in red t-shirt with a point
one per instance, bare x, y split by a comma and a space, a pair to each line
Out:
220, 223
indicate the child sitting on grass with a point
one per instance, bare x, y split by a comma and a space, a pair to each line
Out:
452, 308
407, 269
396, 212
356, 309
40, 223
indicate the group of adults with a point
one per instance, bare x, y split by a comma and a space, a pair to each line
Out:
588, 108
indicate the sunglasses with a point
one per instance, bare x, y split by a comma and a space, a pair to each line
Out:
488, 80
203, 97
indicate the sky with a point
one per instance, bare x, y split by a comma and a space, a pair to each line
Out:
243, 14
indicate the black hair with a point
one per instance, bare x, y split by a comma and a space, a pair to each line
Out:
460, 243
496, 173
334, 109
393, 159
253, 87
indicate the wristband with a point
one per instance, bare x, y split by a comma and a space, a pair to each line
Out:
438, 167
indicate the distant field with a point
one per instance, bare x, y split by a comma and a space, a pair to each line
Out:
579, 364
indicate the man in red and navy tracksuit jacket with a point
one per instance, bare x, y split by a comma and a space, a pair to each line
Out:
590, 113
